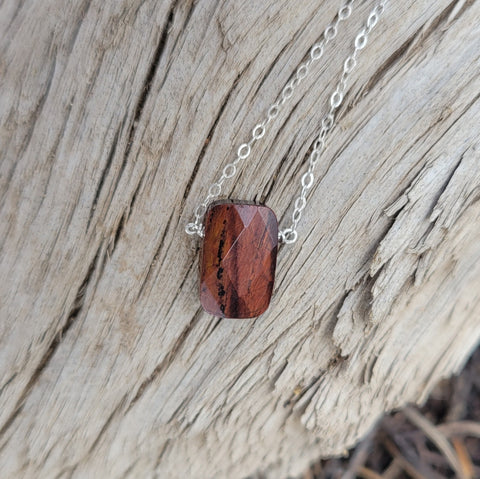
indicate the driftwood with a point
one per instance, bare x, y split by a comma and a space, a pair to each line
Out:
115, 118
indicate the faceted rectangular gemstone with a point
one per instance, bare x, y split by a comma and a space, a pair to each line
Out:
237, 266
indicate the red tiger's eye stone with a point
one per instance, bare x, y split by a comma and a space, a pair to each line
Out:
237, 266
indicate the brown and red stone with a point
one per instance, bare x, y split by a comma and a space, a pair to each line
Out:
237, 266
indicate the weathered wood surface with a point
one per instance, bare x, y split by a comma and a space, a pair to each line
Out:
116, 116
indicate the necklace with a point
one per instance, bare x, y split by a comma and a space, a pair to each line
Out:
240, 238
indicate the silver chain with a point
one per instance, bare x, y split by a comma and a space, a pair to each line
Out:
290, 235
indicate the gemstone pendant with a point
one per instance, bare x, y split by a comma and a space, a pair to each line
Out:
238, 259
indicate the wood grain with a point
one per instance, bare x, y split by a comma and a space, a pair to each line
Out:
115, 118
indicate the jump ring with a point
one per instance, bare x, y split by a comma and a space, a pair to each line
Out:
289, 236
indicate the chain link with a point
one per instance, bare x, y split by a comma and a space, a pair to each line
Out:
290, 235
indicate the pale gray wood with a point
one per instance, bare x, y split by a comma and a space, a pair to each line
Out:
116, 116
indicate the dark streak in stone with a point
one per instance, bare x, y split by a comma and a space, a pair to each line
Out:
220, 287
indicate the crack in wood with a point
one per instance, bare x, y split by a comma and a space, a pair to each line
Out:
155, 256
302, 396
165, 363
209, 136
215, 324
188, 16
367, 373
444, 186
106, 425
18, 6
103, 177
130, 469
161, 454
385, 67
134, 197
456, 14
53, 153
404, 49
82, 14
269, 187
72, 467
33, 120
147, 83
270, 68
74, 312
7, 382
125, 217
279, 372
145, 90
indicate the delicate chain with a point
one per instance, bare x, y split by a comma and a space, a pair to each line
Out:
289, 235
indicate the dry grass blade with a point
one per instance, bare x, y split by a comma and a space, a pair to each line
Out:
393, 470
443, 443
464, 457
460, 428
437, 438
402, 461
366, 473
360, 456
